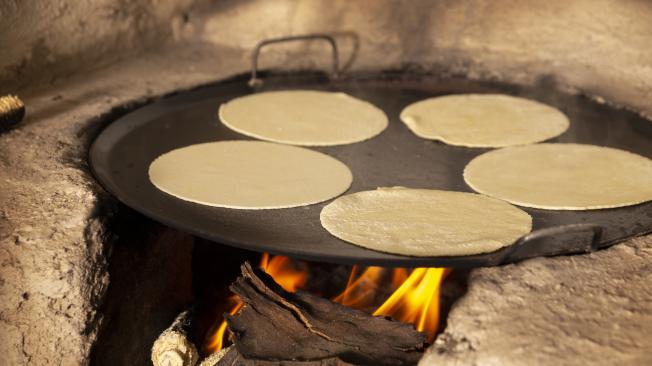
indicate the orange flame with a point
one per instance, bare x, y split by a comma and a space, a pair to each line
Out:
360, 293
415, 298
416, 301
216, 341
284, 272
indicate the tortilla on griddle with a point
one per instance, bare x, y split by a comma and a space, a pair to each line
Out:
249, 175
562, 176
304, 117
425, 222
484, 120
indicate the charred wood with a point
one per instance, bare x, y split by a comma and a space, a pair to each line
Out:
173, 347
231, 357
275, 325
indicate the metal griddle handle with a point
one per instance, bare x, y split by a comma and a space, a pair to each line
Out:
255, 81
527, 247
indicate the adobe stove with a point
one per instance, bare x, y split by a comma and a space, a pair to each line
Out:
99, 267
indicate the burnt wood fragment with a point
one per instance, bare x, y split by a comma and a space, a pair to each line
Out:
233, 358
276, 325
173, 348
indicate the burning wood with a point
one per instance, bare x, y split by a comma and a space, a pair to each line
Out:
269, 325
415, 296
275, 325
284, 273
231, 356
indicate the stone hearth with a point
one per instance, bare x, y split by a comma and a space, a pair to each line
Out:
56, 224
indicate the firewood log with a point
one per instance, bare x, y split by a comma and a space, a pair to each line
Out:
172, 348
284, 328
231, 357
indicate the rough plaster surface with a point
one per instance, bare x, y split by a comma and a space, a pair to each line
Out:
150, 276
54, 239
61, 37
54, 243
584, 310
601, 46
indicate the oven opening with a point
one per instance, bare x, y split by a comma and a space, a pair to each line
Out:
172, 298
411, 296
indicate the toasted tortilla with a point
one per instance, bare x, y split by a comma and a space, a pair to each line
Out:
249, 175
425, 222
562, 176
304, 117
484, 120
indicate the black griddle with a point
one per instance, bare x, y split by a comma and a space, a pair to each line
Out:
121, 155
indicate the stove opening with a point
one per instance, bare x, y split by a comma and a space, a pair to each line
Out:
158, 273
407, 295
420, 297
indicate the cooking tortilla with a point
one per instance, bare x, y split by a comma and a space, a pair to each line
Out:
484, 120
304, 117
562, 176
249, 175
425, 222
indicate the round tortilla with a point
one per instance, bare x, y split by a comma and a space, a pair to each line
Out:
562, 176
304, 117
484, 120
424, 222
249, 175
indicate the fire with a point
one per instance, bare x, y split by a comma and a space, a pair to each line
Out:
416, 301
415, 296
283, 272
360, 292
217, 339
